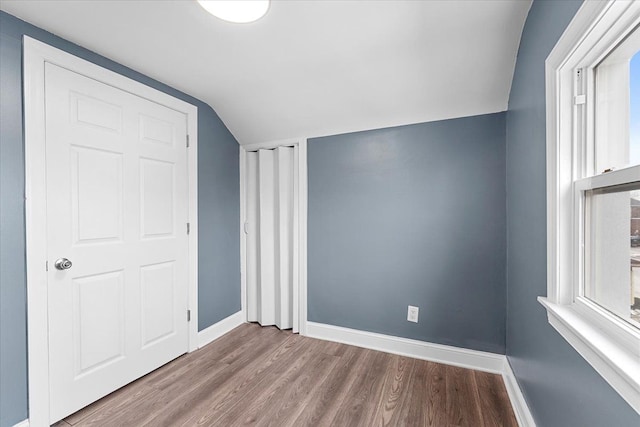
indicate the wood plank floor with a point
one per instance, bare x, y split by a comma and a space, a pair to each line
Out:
267, 377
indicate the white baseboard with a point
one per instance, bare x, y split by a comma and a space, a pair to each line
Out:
217, 330
519, 404
23, 423
472, 359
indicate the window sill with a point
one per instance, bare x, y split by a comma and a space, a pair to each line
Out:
618, 362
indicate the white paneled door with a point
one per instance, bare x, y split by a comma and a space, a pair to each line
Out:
117, 209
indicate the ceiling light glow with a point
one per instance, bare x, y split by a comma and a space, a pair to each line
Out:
237, 11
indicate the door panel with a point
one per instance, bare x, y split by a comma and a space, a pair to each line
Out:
156, 191
117, 207
252, 230
96, 195
98, 338
157, 282
156, 131
94, 112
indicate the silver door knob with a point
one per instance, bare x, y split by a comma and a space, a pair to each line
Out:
63, 264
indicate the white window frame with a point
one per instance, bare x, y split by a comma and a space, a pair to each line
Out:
609, 344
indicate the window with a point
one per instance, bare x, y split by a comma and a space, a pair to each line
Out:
608, 251
593, 190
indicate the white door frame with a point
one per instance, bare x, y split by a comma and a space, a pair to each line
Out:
36, 54
299, 247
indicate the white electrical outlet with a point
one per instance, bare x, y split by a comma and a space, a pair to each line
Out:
412, 314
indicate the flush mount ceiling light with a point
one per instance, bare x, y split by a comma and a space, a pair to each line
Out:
237, 11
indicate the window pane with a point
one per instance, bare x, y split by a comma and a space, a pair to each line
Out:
634, 129
617, 106
613, 250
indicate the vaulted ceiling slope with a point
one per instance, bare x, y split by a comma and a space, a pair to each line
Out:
308, 68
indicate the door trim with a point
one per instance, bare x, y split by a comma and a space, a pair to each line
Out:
301, 251
36, 54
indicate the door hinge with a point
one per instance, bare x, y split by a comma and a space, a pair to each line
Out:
188, 228
187, 141
579, 95
188, 315
46, 265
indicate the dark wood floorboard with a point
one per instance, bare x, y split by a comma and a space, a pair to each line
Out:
494, 401
434, 412
390, 410
463, 408
321, 410
264, 377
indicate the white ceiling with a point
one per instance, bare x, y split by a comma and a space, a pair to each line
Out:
308, 68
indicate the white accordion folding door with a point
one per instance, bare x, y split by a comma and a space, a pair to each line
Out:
271, 227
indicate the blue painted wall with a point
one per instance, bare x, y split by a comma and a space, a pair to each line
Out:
13, 321
218, 199
411, 215
560, 387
